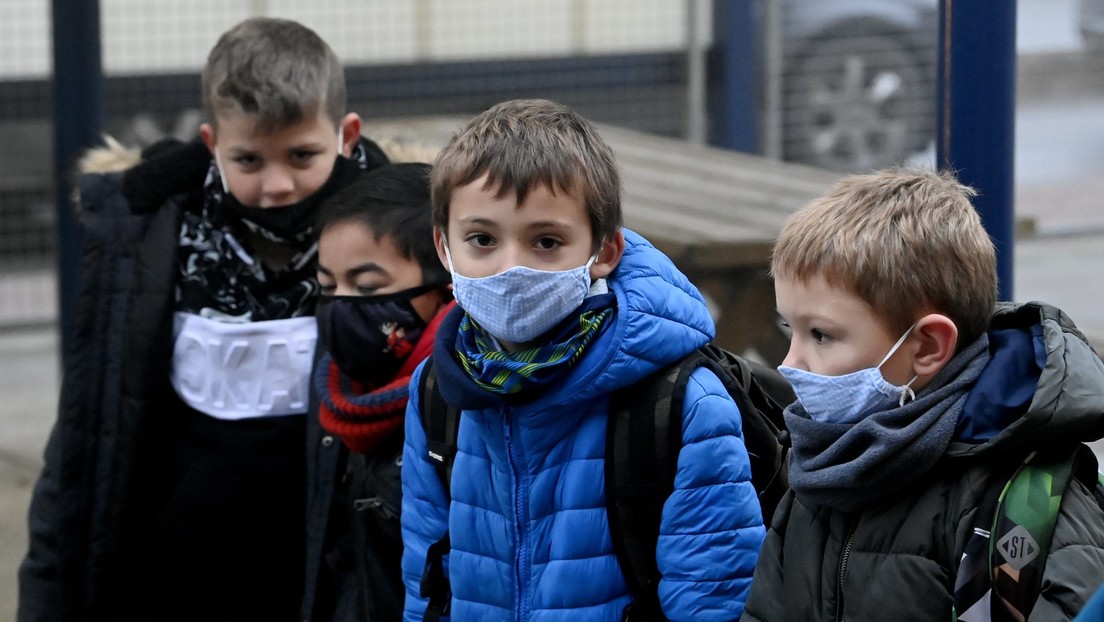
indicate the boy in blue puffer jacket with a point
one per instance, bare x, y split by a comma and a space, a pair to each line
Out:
558, 307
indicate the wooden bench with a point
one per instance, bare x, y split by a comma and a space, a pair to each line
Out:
715, 212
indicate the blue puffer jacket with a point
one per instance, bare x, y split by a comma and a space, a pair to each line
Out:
530, 538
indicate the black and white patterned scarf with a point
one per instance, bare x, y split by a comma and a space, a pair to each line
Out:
219, 278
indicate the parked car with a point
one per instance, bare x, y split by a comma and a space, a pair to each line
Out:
1090, 21
858, 81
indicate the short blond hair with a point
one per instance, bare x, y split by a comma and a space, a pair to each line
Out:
905, 241
526, 143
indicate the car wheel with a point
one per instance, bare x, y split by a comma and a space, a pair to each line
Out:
856, 103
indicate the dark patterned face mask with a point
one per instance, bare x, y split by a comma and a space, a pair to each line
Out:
369, 337
291, 222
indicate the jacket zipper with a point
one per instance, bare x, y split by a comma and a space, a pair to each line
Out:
521, 502
842, 568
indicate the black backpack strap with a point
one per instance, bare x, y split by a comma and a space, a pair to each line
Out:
761, 394
643, 440
441, 422
435, 583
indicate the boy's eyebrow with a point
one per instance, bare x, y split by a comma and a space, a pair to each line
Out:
475, 220
307, 144
543, 224
368, 266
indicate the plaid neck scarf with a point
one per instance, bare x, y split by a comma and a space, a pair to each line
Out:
525, 372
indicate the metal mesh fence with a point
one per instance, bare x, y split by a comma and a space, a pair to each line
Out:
847, 85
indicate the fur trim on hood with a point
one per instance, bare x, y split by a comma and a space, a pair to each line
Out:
113, 157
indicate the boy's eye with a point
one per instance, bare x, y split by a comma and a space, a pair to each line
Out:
327, 289
303, 156
820, 337
247, 160
480, 240
367, 290
547, 243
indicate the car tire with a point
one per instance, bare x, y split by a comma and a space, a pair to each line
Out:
856, 102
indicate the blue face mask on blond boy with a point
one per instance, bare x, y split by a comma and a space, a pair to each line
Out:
851, 397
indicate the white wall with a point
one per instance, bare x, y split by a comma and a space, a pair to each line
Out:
159, 36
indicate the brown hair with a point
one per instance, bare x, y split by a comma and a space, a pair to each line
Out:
275, 70
521, 144
902, 240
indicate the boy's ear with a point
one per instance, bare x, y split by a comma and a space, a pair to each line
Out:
207, 134
439, 243
938, 338
609, 255
350, 133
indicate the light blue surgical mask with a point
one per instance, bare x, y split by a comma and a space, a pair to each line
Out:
851, 397
520, 304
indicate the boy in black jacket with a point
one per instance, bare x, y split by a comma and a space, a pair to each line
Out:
174, 478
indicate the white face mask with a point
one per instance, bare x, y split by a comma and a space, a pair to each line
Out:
520, 304
851, 397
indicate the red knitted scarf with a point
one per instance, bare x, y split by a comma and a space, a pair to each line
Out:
364, 417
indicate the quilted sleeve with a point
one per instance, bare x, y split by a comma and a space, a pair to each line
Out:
712, 527
1075, 564
424, 505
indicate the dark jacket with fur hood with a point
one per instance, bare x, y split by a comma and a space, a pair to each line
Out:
104, 524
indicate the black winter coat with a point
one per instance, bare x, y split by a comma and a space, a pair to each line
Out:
145, 509
354, 541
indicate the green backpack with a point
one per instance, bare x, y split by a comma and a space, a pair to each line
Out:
1000, 573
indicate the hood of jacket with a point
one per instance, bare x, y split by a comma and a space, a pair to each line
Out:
1043, 384
660, 318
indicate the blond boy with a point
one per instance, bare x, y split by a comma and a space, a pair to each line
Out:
912, 396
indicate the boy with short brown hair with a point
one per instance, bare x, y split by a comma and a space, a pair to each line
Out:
558, 307
174, 483
913, 400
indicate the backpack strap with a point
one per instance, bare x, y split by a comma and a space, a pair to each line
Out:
441, 422
1001, 570
761, 394
1024, 527
643, 439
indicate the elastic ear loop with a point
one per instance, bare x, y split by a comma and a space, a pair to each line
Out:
221, 172
448, 257
907, 394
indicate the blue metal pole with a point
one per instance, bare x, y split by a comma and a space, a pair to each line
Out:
736, 62
976, 113
78, 123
